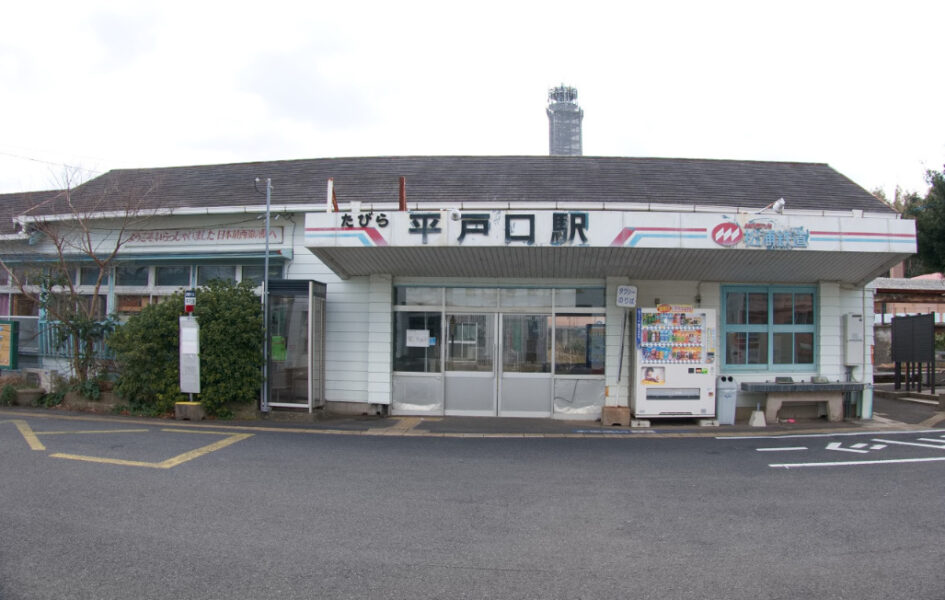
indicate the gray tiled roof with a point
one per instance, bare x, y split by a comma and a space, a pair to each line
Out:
13, 205
453, 179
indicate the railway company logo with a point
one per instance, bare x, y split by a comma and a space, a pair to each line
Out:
727, 233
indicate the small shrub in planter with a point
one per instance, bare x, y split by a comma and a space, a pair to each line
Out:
8, 395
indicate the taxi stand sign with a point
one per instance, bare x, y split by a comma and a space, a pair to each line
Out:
627, 296
9, 338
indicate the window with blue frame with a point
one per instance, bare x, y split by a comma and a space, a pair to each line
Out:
769, 327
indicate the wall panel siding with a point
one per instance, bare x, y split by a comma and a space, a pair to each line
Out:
380, 339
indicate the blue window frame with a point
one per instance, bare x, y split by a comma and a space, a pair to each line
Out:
769, 327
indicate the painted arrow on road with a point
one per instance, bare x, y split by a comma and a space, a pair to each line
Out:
857, 448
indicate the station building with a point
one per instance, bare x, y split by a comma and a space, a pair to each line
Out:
496, 285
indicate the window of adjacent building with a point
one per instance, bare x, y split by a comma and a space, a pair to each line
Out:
769, 327
254, 273
89, 275
127, 275
24, 306
172, 275
131, 303
207, 273
25, 275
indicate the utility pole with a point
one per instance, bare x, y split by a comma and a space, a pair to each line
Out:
264, 403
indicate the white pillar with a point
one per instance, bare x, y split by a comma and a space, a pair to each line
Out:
380, 339
617, 375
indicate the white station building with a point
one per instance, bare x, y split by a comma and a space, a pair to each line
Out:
556, 286
505, 285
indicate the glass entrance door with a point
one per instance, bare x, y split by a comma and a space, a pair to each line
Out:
470, 364
525, 381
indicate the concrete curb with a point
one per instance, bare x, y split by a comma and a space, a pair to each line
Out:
408, 427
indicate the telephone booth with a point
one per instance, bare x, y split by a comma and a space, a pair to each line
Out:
296, 368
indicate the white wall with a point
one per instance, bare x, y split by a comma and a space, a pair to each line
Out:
347, 325
359, 331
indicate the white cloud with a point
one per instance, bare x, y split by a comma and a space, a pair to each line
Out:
106, 84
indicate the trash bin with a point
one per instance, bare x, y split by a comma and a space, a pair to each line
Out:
726, 392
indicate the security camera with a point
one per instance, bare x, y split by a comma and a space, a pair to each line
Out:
455, 215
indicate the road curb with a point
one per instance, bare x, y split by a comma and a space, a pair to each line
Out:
409, 428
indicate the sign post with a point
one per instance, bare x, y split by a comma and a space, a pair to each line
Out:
189, 356
189, 367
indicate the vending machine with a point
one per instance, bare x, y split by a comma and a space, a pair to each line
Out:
675, 363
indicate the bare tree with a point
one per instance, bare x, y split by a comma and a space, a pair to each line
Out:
69, 243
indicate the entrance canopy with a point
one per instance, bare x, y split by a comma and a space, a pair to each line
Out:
548, 243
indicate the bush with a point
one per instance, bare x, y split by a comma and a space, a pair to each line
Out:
147, 353
7, 395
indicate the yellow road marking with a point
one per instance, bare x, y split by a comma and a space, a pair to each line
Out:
169, 430
92, 431
933, 420
404, 424
108, 461
167, 464
27, 432
227, 441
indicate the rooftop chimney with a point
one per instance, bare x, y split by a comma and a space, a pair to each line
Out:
564, 122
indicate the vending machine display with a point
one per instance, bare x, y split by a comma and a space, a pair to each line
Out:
675, 362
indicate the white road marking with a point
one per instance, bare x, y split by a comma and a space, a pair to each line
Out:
824, 435
785, 449
898, 443
836, 446
855, 463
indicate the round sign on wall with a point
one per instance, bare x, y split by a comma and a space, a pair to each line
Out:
727, 233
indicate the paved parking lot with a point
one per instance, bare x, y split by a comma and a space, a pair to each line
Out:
110, 507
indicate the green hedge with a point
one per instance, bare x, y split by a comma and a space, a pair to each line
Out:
231, 334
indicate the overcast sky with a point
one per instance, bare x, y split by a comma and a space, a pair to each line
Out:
101, 85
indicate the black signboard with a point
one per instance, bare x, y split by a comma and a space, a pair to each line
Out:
913, 338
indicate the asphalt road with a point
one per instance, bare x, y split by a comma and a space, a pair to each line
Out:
113, 509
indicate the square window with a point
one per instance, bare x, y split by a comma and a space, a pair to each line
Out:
131, 275
418, 296
207, 273
89, 275
253, 273
178, 276
417, 342
768, 327
757, 309
735, 308
804, 309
